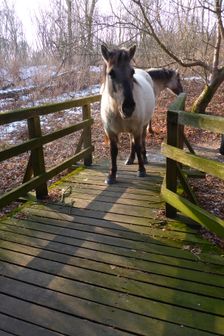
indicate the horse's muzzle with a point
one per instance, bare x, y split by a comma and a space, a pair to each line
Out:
128, 108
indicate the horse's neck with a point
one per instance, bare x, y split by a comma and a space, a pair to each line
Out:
158, 86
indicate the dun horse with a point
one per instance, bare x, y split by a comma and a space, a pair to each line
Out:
161, 79
164, 79
127, 104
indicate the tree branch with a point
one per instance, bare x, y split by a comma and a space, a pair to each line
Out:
218, 11
164, 47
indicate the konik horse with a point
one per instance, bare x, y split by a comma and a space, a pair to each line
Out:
127, 105
164, 79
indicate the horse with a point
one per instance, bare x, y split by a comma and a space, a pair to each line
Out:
221, 149
161, 79
127, 104
164, 79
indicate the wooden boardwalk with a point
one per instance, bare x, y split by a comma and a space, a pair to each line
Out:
102, 262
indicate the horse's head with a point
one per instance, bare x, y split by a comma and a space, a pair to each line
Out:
174, 83
120, 78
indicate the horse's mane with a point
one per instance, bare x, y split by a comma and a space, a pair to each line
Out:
161, 73
104, 72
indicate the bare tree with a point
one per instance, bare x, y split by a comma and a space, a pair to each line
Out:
13, 45
190, 33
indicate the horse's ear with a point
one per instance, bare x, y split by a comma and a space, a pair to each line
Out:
132, 51
105, 52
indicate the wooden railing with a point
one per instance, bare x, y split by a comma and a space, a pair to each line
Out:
177, 157
36, 164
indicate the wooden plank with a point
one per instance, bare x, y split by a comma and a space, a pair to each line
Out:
90, 191
131, 210
61, 264
149, 227
53, 319
52, 217
203, 121
14, 326
211, 167
113, 217
104, 242
30, 112
140, 187
120, 315
139, 234
4, 333
161, 298
116, 240
111, 297
206, 219
174, 268
78, 196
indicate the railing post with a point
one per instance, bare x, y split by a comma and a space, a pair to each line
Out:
175, 137
37, 155
171, 165
87, 140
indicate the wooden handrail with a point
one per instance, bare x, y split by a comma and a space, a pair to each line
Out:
177, 118
30, 112
36, 164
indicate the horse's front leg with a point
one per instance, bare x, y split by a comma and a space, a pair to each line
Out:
111, 179
145, 160
130, 160
138, 149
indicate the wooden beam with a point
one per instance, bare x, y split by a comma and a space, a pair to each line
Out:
30, 112
174, 138
36, 142
199, 215
37, 155
211, 167
38, 180
86, 114
203, 121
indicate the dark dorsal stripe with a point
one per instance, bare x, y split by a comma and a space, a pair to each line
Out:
118, 57
161, 74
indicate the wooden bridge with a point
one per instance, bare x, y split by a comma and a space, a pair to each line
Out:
103, 260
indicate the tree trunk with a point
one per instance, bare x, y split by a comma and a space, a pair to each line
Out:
69, 25
201, 103
206, 96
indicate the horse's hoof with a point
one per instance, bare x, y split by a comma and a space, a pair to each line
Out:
110, 180
141, 173
129, 161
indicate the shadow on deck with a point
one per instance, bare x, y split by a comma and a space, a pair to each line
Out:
103, 262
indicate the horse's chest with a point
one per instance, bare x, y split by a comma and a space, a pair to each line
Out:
115, 123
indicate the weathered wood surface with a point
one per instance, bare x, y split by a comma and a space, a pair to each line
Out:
102, 262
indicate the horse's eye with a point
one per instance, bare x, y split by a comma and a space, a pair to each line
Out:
112, 74
132, 72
